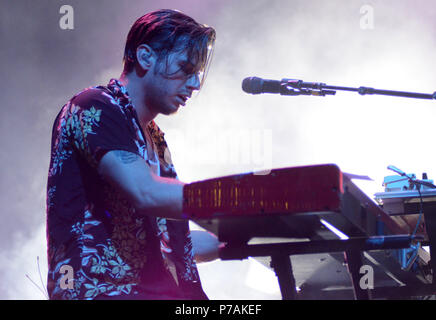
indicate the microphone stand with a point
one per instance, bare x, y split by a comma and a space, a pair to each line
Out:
294, 87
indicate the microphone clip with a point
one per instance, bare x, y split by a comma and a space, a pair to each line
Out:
294, 87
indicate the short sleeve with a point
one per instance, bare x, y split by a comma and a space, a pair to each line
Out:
97, 124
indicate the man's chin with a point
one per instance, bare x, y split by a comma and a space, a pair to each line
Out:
170, 112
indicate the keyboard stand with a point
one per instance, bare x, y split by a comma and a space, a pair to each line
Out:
280, 254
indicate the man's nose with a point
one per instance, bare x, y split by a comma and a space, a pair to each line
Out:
194, 82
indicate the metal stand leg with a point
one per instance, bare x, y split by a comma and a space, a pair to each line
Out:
355, 262
430, 225
283, 269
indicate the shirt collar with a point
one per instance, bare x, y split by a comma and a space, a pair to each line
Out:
120, 93
122, 96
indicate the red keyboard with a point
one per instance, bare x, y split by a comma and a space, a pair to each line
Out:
286, 191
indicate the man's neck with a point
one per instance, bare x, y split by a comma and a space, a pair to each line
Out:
136, 93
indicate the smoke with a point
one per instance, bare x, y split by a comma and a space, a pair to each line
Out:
325, 41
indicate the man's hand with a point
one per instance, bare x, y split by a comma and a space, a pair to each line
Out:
206, 246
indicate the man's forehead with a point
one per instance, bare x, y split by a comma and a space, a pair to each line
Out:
183, 58
184, 52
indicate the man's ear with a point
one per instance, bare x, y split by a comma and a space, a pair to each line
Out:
145, 56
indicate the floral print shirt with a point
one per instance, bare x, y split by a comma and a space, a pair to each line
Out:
94, 231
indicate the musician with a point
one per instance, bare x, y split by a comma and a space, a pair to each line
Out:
115, 226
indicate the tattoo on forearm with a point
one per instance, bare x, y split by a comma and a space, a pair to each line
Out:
126, 157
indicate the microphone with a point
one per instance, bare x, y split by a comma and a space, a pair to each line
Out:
255, 85
285, 87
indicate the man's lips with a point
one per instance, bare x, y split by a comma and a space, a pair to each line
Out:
182, 99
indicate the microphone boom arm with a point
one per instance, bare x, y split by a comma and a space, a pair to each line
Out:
327, 89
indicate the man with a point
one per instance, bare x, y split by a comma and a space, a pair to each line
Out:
114, 204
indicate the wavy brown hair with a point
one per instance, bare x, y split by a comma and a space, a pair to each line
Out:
167, 31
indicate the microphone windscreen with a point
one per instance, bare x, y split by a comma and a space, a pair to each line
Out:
252, 85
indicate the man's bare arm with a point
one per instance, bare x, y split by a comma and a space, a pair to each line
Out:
147, 192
